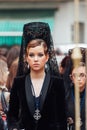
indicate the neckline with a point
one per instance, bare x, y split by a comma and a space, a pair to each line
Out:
33, 88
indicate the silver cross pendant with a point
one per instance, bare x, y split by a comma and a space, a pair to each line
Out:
37, 115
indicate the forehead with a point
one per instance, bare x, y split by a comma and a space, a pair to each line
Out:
39, 48
80, 69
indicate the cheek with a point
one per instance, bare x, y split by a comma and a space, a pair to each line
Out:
29, 58
44, 60
84, 81
29, 61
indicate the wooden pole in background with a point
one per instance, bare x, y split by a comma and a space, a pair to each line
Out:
76, 57
76, 24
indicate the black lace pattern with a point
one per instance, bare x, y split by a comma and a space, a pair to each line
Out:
37, 30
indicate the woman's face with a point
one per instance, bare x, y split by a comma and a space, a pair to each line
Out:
37, 58
79, 77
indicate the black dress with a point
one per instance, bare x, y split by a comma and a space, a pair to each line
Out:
52, 105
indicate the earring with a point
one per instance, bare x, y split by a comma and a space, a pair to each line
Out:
46, 67
27, 65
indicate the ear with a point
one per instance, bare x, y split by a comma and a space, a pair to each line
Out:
47, 57
71, 77
26, 58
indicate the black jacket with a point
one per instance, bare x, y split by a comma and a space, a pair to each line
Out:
52, 105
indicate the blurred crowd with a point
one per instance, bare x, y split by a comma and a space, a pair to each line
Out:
8, 68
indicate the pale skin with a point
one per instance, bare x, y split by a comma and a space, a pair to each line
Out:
37, 59
81, 80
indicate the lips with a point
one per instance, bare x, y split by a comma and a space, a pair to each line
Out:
35, 64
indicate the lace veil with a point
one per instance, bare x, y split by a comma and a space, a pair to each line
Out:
37, 30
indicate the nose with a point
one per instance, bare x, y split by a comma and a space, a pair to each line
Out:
36, 58
79, 77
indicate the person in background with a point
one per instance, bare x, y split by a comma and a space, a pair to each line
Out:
4, 51
4, 94
75, 76
78, 75
12, 74
3, 58
63, 65
66, 77
12, 54
37, 100
12, 63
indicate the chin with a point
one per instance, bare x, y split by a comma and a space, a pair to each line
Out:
36, 69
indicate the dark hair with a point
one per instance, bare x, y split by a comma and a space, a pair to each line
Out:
12, 73
80, 64
65, 61
37, 42
12, 54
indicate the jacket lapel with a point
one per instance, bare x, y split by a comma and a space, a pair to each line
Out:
44, 90
29, 96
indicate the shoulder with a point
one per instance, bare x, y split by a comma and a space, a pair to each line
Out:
20, 77
57, 79
57, 83
19, 81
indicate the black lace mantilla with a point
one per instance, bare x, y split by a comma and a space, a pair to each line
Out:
37, 30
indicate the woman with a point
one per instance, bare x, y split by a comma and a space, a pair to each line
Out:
37, 100
77, 76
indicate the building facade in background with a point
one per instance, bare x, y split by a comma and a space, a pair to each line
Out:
59, 14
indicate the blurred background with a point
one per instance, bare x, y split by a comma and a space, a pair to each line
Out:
60, 14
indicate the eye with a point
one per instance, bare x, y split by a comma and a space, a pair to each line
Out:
31, 55
82, 75
40, 54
